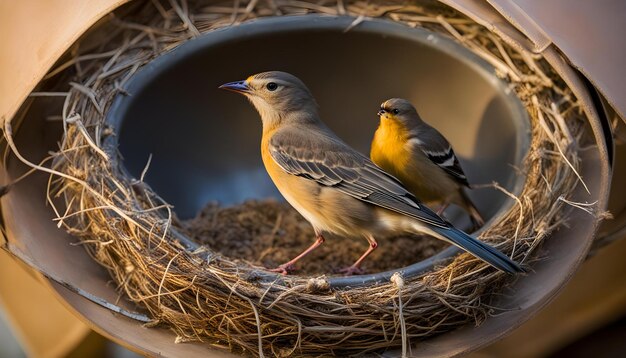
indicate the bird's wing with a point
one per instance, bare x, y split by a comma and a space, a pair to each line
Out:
437, 148
328, 161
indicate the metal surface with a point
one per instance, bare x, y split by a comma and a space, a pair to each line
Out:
33, 41
589, 33
28, 221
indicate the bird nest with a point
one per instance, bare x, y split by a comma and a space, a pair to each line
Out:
205, 296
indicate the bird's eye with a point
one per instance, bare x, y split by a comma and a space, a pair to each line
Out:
272, 86
396, 111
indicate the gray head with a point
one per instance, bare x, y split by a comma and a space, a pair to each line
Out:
278, 97
401, 110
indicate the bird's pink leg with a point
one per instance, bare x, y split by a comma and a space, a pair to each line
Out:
355, 269
288, 266
442, 208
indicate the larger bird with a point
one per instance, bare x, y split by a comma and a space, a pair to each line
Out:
337, 189
420, 157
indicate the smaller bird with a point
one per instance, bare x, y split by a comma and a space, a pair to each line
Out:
421, 158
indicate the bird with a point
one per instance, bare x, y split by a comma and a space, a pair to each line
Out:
421, 158
337, 189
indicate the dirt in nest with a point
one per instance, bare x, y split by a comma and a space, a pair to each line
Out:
269, 233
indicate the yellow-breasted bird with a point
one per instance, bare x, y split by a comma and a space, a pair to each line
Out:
337, 189
420, 157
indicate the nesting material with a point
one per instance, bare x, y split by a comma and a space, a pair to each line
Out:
205, 296
268, 233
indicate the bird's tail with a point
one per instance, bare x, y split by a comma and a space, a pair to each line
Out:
477, 248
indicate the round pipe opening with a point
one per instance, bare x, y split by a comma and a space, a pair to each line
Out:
205, 142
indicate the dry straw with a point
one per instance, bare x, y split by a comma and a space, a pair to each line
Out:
203, 296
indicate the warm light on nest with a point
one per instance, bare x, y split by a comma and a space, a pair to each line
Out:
203, 295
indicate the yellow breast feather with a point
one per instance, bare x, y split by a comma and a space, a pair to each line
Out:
388, 147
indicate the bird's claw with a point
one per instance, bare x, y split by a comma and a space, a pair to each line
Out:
351, 270
283, 269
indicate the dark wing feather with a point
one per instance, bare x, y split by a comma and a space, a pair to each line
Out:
437, 148
330, 162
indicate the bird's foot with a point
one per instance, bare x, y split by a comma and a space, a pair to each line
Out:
477, 223
442, 209
351, 270
474, 227
284, 269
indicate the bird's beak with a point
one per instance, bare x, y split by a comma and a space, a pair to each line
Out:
237, 86
381, 112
